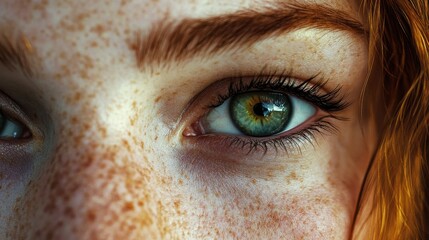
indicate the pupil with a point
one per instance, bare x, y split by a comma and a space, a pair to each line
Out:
260, 109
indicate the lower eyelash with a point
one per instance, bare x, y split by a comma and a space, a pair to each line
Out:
286, 144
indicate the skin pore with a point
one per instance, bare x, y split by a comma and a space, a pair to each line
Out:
113, 152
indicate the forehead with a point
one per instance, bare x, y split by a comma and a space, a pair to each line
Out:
80, 36
74, 15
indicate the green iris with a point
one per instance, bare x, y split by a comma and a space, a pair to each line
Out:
260, 113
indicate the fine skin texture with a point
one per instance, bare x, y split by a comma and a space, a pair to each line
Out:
110, 157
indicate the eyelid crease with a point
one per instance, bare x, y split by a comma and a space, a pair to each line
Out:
168, 41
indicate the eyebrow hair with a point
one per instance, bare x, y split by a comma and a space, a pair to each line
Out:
14, 54
169, 42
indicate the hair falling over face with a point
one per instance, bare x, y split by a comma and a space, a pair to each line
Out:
394, 202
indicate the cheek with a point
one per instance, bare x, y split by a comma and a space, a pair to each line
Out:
216, 200
350, 152
301, 215
104, 180
93, 187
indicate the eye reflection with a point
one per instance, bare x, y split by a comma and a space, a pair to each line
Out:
258, 114
10, 129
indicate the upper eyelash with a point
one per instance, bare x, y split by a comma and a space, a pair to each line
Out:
309, 90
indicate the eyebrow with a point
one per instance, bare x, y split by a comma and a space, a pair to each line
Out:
169, 42
15, 54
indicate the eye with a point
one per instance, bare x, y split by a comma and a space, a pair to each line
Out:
262, 112
258, 114
10, 129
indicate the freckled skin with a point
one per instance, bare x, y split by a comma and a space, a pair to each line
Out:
119, 167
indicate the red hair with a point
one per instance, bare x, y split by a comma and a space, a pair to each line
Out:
394, 201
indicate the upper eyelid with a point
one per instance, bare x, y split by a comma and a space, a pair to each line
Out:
304, 89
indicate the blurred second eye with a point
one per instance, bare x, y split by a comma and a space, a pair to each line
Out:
10, 129
258, 114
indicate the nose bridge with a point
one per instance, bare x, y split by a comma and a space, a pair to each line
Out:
97, 192
98, 188
94, 187
103, 193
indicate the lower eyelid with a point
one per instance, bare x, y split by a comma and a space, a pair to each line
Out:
244, 146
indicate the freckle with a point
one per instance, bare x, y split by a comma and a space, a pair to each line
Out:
127, 32
84, 74
87, 162
50, 207
128, 206
86, 127
103, 131
77, 97
91, 215
94, 44
50, 234
126, 144
293, 176
68, 211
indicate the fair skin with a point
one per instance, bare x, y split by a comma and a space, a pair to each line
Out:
113, 151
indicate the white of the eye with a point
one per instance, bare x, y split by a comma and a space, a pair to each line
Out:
219, 119
11, 129
301, 111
